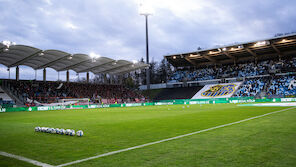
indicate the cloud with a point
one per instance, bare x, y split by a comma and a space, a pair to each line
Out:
115, 29
70, 25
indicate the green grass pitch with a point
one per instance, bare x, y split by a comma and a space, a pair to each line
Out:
267, 141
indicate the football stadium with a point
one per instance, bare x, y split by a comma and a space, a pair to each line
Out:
227, 105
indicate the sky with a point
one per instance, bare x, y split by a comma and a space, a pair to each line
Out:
115, 29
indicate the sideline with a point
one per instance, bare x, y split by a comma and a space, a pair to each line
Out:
270, 104
31, 161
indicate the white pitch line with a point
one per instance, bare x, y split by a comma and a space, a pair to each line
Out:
37, 163
169, 139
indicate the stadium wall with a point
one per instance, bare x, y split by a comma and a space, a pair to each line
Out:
164, 102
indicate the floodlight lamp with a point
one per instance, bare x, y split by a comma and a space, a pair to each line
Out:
7, 43
261, 43
174, 57
94, 55
240, 46
145, 9
224, 49
197, 55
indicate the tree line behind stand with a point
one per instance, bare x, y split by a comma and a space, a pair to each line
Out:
159, 73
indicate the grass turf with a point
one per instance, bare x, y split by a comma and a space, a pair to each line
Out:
251, 143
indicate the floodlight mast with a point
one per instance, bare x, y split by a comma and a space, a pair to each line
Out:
146, 14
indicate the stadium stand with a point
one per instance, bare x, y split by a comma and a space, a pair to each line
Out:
272, 78
235, 71
265, 66
282, 86
196, 75
252, 87
259, 80
50, 92
5, 100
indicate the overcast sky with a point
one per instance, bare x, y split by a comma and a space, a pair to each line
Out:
114, 28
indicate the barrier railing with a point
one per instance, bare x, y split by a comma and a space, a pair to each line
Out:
164, 102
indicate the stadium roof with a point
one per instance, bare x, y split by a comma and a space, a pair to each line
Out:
12, 55
239, 52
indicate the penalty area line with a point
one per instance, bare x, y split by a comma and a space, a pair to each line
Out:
31, 161
172, 138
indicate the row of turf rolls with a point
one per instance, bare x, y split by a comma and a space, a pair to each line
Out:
69, 132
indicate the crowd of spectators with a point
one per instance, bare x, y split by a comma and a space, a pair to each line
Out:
252, 87
50, 92
45, 92
276, 86
197, 75
244, 70
234, 71
282, 86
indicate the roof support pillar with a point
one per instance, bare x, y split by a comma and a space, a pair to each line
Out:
280, 54
120, 78
253, 54
105, 79
87, 77
44, 75
111, 78
210, 58
17, 73
67, 76
190, 61
8, 72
